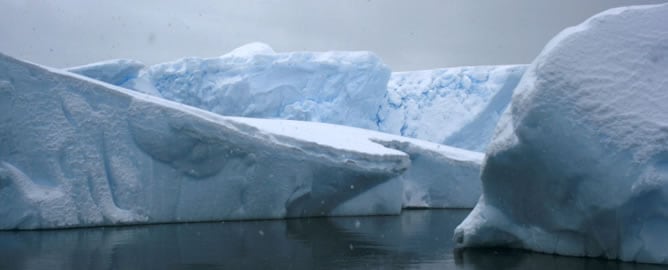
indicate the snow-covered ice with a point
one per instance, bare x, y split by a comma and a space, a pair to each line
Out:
80, 152
579, 162
440, 176
456, 106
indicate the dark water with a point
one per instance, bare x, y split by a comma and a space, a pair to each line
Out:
418, 239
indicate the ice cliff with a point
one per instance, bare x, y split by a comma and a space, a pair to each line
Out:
79, 152
579, 162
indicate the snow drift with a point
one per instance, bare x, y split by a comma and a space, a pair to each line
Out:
454, 106
79, 152
579, 162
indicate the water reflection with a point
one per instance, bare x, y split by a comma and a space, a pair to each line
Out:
414, 240
517, 259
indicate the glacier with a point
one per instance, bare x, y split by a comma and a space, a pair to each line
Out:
456, 106
579, 162
79, 152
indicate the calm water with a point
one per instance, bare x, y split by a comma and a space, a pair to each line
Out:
418, 239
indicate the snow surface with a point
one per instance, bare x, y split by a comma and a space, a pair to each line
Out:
579, 162
79, 152
456, 106
250, 50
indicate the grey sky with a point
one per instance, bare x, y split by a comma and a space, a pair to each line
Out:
408, 35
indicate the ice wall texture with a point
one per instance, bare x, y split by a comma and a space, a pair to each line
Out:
78, 152
253, 81
455, 106
579, 162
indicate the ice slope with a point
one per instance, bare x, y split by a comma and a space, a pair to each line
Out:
457, 106
79, 152
579, 162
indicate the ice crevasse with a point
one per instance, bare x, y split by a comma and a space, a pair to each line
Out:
579, 162
79, 152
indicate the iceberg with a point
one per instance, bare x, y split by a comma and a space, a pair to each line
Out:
79, 152
455, 106
579, 162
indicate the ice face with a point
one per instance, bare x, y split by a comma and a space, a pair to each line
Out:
455, 106
79, 152
579, 162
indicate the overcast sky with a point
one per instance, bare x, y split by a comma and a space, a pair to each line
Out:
407, 35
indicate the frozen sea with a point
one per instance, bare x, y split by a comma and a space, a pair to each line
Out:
417, 239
